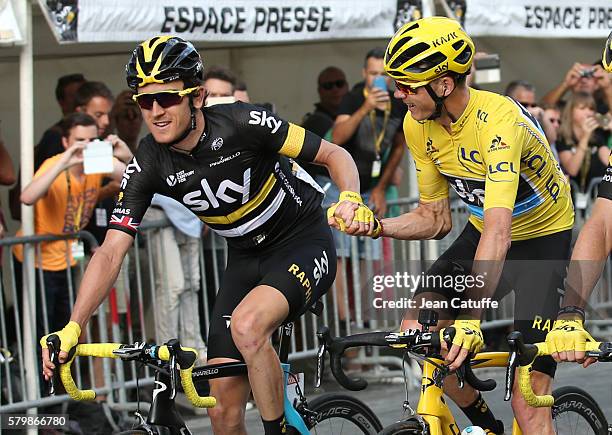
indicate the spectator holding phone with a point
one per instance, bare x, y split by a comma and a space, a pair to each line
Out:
369, 126
582, 141
63, 197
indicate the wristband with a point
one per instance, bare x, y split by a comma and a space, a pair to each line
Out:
572, 309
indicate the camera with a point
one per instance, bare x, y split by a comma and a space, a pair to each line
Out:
603, 120
587, 72
487, 69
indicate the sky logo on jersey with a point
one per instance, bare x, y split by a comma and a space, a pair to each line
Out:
262, 118
129, 170
497, 144
195, 202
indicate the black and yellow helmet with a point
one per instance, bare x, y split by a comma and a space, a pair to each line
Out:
423, 50
163, 59
606, 61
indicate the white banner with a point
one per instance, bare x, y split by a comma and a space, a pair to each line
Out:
9, 29
539, 18
231, 20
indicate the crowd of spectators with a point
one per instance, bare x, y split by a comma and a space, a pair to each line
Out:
363, 117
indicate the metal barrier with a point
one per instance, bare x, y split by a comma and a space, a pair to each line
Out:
348, 307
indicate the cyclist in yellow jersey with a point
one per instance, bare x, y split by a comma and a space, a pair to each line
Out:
496, 157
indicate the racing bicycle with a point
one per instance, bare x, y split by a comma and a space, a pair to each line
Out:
574, 411
329, 413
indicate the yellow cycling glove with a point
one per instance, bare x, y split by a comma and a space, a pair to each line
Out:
69, 336
362, 214
567, 334
467, 335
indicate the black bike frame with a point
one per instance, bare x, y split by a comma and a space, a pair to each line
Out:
163, 410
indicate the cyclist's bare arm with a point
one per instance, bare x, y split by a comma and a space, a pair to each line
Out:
592, 248
340, 165
430, 220
490, 254
100, 275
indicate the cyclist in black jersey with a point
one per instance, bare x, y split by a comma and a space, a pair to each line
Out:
231, 166
567, 338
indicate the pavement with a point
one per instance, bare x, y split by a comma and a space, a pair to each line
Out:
386, 399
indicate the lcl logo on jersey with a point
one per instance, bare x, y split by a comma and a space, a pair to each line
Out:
195, 202
262, 118
129, 170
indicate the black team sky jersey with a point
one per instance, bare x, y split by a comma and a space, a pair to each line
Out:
605, 187
239, 179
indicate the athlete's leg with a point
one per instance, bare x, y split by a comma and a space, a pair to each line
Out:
227, 417
253, 321
533, 420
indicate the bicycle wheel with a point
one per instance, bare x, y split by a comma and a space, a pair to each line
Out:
341, 414
575, 412
406, 427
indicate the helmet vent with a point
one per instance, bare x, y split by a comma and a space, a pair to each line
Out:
407, 55
398, 45
465, 56
426, 64
457, 45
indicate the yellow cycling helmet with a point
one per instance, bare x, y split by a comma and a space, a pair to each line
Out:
607, 55
423, 50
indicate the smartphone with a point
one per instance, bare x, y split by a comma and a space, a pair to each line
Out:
98, 157
488, 69
380, 83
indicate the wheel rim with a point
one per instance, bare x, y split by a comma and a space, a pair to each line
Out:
572, 423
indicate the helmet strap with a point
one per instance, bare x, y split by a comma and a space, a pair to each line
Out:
438, 101
192, 126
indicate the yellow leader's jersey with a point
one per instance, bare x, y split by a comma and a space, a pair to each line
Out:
496, 156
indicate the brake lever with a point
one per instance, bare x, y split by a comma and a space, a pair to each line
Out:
172, 376
53, 344
320, 363
460, 373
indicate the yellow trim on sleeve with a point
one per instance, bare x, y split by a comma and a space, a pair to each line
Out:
294, 141
246, 208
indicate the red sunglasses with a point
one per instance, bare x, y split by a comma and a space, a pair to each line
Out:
406, 89
165, 99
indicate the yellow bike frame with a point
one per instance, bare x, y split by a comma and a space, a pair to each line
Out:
432, 405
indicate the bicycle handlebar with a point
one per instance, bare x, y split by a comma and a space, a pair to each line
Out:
337, 345
185, 358
527, 353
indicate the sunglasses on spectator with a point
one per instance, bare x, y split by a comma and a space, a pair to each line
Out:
407, 89
328, 86
527, 105
165, 99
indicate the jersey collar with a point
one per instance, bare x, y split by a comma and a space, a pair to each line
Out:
461, 121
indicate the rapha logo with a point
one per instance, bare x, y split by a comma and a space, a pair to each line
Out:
217, 144
171, 180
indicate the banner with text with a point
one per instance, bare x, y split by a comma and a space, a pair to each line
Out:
229, 21
539, 18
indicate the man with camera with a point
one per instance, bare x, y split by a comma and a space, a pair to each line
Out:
589, 78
